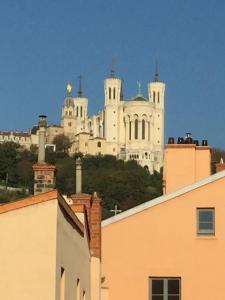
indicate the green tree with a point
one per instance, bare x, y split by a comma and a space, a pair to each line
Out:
62, 143
9, 156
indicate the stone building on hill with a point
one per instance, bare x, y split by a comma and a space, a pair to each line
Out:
127, 128
130, 129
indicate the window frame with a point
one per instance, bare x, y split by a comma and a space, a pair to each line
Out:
165, 287
205, 232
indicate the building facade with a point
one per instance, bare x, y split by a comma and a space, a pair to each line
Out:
176, 249
128, 129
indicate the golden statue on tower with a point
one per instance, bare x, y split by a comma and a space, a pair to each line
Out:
69, 89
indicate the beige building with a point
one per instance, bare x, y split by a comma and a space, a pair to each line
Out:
129, 129
24, 139
50, 249
171, 247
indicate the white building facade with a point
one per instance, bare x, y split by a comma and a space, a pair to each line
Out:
129, 129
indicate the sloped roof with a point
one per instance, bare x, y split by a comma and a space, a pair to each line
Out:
164, 198
40, 198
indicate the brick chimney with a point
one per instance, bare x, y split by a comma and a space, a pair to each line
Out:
185, 162
44, 174
90, 207
92, 204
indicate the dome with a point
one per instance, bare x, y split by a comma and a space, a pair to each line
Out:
139, 98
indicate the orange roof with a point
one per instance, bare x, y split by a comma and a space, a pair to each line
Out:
52, 195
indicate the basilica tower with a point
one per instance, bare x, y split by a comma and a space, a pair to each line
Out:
74, 112
67, 119
113, 118
156, 92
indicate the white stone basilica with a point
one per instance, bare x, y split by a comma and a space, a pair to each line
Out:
129, 129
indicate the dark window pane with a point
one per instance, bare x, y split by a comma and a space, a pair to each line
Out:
173, 297
157, 286
157, 297
173, 286
205, 215
206, 226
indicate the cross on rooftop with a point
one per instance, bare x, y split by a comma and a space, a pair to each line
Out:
115, 210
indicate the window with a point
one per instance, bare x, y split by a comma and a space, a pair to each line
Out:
154, 97
77, 111
158, 97
136, 129
130, 130
164, 288
110, 93
143, 129
70, 124
70, 113
81, 111
206, 221
99, 144
114, 93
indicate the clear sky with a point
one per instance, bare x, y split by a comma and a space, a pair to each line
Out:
44, 44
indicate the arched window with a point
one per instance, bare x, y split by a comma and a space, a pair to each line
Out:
114, 93
77, 111
81, 111
110, 91
154, 97
130, 130
99, 144
143, 129
136, 129
158, 97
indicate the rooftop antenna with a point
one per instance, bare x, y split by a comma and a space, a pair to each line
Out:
156, 76
112, 75
80, 91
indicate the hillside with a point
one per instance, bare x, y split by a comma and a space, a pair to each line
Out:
117, 182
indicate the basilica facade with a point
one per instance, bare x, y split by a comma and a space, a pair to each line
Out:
131, 129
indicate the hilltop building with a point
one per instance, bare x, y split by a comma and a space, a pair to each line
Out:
171, 247
23, 138
128, 129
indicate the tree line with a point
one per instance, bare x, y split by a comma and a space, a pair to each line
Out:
121, 183
125, 184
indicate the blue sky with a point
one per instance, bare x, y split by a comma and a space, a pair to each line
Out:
45, 44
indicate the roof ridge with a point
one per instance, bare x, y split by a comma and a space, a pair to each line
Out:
134, 210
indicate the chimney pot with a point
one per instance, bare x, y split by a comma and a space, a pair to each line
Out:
42, 139
78, 176
204, 143
180, 140
196, 142
171, 140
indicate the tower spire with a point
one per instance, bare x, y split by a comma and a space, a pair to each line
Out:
80, 90
156, 76
112, 74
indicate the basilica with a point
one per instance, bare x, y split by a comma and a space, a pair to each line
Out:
130, 129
